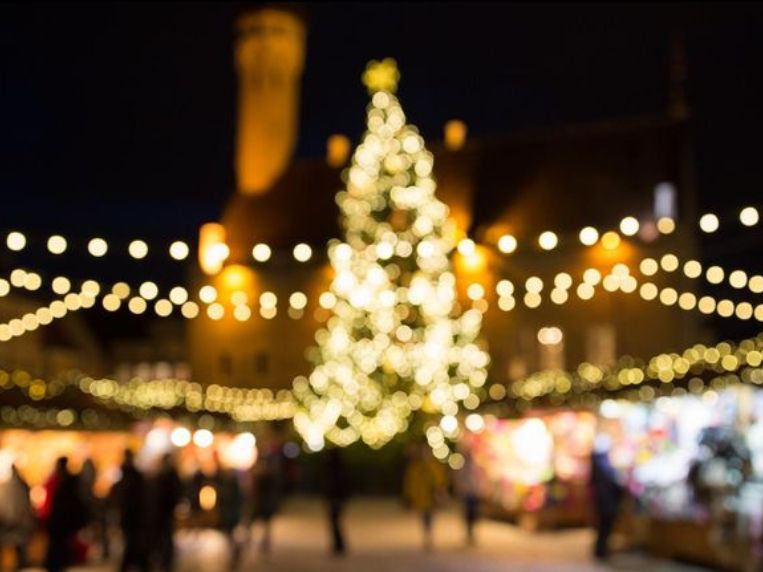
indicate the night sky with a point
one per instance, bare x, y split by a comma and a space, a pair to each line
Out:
105, 106
119, 119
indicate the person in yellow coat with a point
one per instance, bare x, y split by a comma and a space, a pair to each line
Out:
424, 486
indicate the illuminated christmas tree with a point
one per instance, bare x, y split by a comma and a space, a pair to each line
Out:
396, 341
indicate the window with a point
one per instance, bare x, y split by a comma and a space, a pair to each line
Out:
550, 348
601, 345
261, 363
226, 365
665, 205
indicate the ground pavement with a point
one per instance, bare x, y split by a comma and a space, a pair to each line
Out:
381, 536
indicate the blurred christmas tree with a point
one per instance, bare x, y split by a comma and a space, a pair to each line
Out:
396, 342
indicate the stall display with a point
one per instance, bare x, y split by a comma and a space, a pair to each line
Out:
535, 469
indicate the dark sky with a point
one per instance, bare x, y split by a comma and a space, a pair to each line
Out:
112, 111
118, 119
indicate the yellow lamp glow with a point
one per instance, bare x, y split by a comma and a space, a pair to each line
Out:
213, 251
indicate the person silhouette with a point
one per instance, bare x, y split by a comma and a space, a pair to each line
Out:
337, 492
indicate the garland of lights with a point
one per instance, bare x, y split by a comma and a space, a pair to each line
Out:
701, 366
629, 226
241, 405
619, 278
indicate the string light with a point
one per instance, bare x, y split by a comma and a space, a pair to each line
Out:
548, 240
138, 249
57, 244
179, 250
15, 241
749, 216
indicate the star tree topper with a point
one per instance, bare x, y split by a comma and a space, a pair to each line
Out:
381, 76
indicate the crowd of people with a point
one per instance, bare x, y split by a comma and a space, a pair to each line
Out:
143, 505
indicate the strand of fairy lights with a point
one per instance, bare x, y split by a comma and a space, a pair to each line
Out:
547, 240
243, 405
741, 361
178, 297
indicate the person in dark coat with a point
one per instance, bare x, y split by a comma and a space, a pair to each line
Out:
17, 518
63, 515
337, 492
606, 494
166, 493
229, 502
130, 499
267, 490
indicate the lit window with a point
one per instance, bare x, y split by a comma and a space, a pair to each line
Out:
601, 344
665, 204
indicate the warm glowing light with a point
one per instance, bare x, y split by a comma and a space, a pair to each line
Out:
327, 300
215, 311
213, 250
18, 278
137, 305
298, 300
180, 437
33, 281
585, 291
610, 240
475, 291
589, 236
190, 310
629, 226
668, 296
178, 295
57, 244
507, 244
466, 247
111, 302
179, 250
97, 247
548, 240
121, 289
16, 241
738, 279
163, 308
592, 276
261, 252
207, 294
148, 290
138, 249
563, 280
669, 262
91, 288
550, 336
648, 291
455, 134
692, 269
504, 288
714, 274
268, 300
474, 422
708, 222
749, 216
303, 252
242, 313
207, 495
706, 305
725, 308
666, 225
534, 284
203, 438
